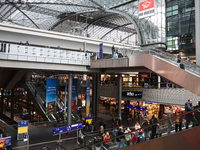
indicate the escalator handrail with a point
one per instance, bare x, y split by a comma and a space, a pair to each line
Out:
171, 55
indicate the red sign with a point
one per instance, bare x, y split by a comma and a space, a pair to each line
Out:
144, 75
145, 5
73, 105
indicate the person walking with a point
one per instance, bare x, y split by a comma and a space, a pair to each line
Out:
128, 136
189, 117
120, 140
97, 140
114, 134
106, 139
145, 130
113, 51
179, 59
178, 120
153, 122
197, 114
169, 123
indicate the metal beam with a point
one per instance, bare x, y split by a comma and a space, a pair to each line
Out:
128, 36
131, 20
122, 4
100, 18
23, 13
48, 3
115, 29
96, 3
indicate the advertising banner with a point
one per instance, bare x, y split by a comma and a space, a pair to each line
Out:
51, 95
101, 50
88, 97
146, 8
74, 94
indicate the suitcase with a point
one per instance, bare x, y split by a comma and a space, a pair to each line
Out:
182, 66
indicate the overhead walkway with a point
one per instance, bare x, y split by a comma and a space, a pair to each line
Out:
157, 61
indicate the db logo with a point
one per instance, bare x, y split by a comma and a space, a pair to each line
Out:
145, 5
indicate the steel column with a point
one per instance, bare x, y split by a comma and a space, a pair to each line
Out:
69, 108
120, 95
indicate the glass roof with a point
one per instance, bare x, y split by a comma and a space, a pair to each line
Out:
80, 17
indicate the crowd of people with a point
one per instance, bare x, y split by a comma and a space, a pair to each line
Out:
147, 129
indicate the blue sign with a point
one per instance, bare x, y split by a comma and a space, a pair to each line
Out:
8, 141
23, 123
51, 95
101, 50
67, 128
89, 116
136, 107
75, 90
25, 113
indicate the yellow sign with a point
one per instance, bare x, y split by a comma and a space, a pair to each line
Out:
22, 130
87, 109
89, 121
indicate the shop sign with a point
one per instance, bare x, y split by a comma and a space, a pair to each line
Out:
146, 8
133, 93
136, 107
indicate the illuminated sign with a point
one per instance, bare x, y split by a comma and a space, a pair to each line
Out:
146, 8
132, 93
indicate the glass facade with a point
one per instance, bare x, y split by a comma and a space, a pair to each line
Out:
180, 24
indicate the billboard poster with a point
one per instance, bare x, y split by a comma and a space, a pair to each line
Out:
146, 8
2, 143
51, 95
88, 97
101, 50
74, 93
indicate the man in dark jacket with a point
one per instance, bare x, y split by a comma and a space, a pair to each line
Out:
145, 130
189, 117
120, 140
197, 114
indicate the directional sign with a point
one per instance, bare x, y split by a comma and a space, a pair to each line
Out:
67, 128
22, 126
23, 123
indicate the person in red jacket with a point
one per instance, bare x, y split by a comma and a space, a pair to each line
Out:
133, 138
106, 137
178, 120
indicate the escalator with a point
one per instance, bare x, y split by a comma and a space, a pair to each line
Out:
179, 137
157, 61
41, 101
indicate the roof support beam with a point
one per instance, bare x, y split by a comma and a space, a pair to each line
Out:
23, 13
115, 29
128, 36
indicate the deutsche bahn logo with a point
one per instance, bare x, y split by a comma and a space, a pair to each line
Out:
146, 4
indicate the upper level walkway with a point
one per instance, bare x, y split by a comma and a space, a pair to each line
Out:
157, 61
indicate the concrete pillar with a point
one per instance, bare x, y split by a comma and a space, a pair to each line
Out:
12, 106
197, 30
2, 103
120, 95
69, 108
159, 82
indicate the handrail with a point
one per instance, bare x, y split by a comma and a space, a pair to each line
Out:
174, 56
159, 121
